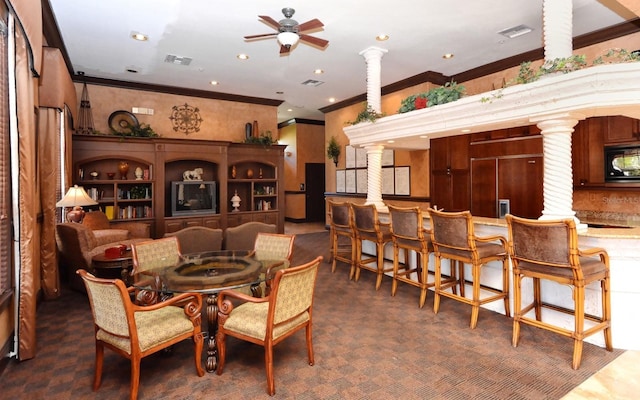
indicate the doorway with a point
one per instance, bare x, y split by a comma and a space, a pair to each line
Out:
314, 192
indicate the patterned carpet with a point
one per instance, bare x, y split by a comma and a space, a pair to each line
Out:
368, 345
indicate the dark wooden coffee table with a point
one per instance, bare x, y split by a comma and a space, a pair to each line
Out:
112, 268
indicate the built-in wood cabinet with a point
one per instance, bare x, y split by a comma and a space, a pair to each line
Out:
587, 152
621, 130
449, 159
165, 162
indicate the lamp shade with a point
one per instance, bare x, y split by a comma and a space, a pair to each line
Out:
288, 39
76, 196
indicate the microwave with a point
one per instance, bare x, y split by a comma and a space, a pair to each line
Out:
622, 163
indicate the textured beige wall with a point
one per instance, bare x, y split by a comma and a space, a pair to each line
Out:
222, 120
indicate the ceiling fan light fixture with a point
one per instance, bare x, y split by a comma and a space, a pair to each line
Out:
288, 39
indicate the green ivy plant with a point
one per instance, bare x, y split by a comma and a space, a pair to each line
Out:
142, 130
265, 139
450, 91
366, 115
527, 74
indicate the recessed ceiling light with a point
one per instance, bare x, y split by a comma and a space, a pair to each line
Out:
332, 99
447, 56
382, 37
243, 57
318, 71
139, 36
214, 83
391, 141
466, 130
424, 137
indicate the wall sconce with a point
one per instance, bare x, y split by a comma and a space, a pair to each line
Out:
288, 154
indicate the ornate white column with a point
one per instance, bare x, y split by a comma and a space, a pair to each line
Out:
557, 27
558, 174
373, 57
374, 176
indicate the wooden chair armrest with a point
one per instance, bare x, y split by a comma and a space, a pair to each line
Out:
595, 251
179, 300
492, 238
240, 296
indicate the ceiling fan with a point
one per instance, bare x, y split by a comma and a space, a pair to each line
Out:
289, 31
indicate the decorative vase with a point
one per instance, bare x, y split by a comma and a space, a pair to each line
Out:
249, 173
234, 172
139, 174
123, 168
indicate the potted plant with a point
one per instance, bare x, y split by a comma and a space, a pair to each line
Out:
265, 139
333, 150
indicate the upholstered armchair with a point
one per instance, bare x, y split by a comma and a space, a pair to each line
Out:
269, 247
106, 232
243, 237
77, 244
196, 239
134, 331
268, 321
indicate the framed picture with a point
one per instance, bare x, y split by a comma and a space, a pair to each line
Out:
340, 182
402, 181
361, 181
388, 181
350, 156
350, 181
387, 158
361, 158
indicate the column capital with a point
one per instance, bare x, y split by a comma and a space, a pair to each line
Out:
373, 53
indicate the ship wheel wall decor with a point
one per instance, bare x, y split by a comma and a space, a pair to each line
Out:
185, 118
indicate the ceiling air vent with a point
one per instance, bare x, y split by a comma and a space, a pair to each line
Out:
516, 31
171, 59
312, 82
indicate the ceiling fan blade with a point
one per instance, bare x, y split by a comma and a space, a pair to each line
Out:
310, 25
260, 36
314, 40
270, 21
284, 50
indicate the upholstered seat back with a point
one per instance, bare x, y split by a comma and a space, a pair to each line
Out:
243, 237
340, 216
452, 230
547, 243
273, 246
407, 223
108, 308
196, 239
293, 292
153, 254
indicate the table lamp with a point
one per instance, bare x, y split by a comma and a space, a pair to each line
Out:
76, 198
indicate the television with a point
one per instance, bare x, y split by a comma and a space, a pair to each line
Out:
193, 197
622, 163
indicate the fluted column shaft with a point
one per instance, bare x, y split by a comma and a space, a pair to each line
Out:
374, 176
373, 57
557, 26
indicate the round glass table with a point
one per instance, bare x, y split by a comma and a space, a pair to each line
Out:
207, 273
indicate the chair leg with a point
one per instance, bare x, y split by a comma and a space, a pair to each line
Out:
438, 279
578, 332
268, 361
537, 298
380, 255
606, 313
475, 297
423, 277
198, 342
517, 309
97, 377
334, 250
505, 286
221, 343
356, 264
394, 282
310, 345
135, 376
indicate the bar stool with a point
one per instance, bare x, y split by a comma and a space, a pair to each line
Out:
367, 227
408, 233
453, 238
343, 238
549, 250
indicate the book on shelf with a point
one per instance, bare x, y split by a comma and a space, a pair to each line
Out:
109, 211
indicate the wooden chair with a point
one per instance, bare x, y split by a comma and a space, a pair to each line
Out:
269, 247
195, 239
156, 253
134, 331
268, 321
409, 234
341, 231
453, 238
367, 227
548, 249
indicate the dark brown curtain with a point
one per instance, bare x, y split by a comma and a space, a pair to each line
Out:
29, 275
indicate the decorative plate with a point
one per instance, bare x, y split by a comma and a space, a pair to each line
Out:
121, 121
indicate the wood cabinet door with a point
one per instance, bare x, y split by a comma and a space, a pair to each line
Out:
520, 180
622, 130
484, 191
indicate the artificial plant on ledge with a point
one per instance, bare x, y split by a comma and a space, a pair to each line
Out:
366, 115
447, 93
265, 139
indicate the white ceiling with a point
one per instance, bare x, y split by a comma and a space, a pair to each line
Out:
97, 34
